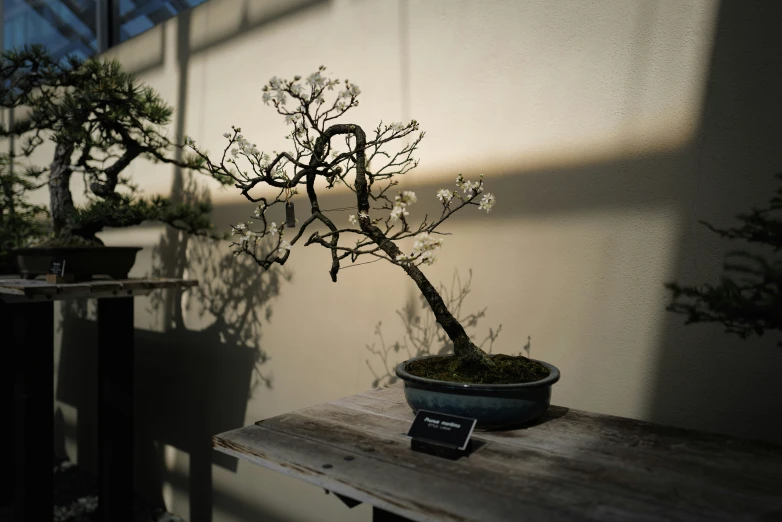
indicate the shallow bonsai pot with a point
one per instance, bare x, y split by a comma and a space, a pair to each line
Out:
81, 262
493, 405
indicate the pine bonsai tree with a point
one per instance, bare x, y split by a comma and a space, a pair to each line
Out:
324, 154
100, 120
748, 298
20, 221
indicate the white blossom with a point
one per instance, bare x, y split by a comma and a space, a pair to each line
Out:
425, 249
226, 135
274, 228
407, 197
445, 195
401, 202
353, 220
267, 97
487, 202
284, 246
397, 126
316, 80
469, 187
245, 233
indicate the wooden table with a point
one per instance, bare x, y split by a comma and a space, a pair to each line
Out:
27, 326
569, 465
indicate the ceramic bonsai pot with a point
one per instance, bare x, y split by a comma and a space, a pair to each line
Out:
493, 405
82, 262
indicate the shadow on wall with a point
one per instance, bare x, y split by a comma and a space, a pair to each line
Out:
738, 151
193, 384
189, 383
699, 377
423, 336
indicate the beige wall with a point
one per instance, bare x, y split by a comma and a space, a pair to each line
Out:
606, 129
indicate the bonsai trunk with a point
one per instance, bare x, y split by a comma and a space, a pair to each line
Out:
61, 205
463, 347
60, 200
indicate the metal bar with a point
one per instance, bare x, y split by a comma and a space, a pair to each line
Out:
102, 24
115, 409
57, 23
31, 338
7, 370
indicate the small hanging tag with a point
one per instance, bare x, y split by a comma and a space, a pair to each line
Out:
290, 216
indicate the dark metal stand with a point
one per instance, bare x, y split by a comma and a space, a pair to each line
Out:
115, 409
7, 376
28, 339
27, 400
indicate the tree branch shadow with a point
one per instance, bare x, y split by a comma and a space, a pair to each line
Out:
423, 336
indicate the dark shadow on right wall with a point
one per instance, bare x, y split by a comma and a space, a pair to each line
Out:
739, 149
699, 376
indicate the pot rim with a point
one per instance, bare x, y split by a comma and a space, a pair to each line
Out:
403, 374
50, 250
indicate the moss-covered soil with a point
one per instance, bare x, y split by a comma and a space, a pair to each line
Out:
508, 369
68, 242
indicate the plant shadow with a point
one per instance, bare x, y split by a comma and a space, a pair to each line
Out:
194, 373
423, 336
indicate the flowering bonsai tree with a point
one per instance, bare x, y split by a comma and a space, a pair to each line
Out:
100, 120
324, 153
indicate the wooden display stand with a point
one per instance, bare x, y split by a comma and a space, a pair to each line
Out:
26, 388
569, 465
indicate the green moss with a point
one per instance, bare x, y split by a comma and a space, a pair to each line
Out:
508, 369
68, 241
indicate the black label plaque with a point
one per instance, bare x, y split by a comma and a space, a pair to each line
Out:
57, 267
441, 434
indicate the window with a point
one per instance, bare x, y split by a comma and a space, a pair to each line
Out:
83, 27
64, 27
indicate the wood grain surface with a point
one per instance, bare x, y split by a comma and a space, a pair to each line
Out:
34, 289
569, 465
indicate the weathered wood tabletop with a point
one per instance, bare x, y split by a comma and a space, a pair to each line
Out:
570, 465
13, 290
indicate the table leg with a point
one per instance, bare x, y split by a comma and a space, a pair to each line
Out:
381, 515
32, 338
115, 409
8, 357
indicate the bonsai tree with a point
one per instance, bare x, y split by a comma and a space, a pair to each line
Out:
422, 336
20, 221
748, 298
324, 153
100, 119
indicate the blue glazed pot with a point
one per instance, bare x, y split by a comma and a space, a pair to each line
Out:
494, 405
